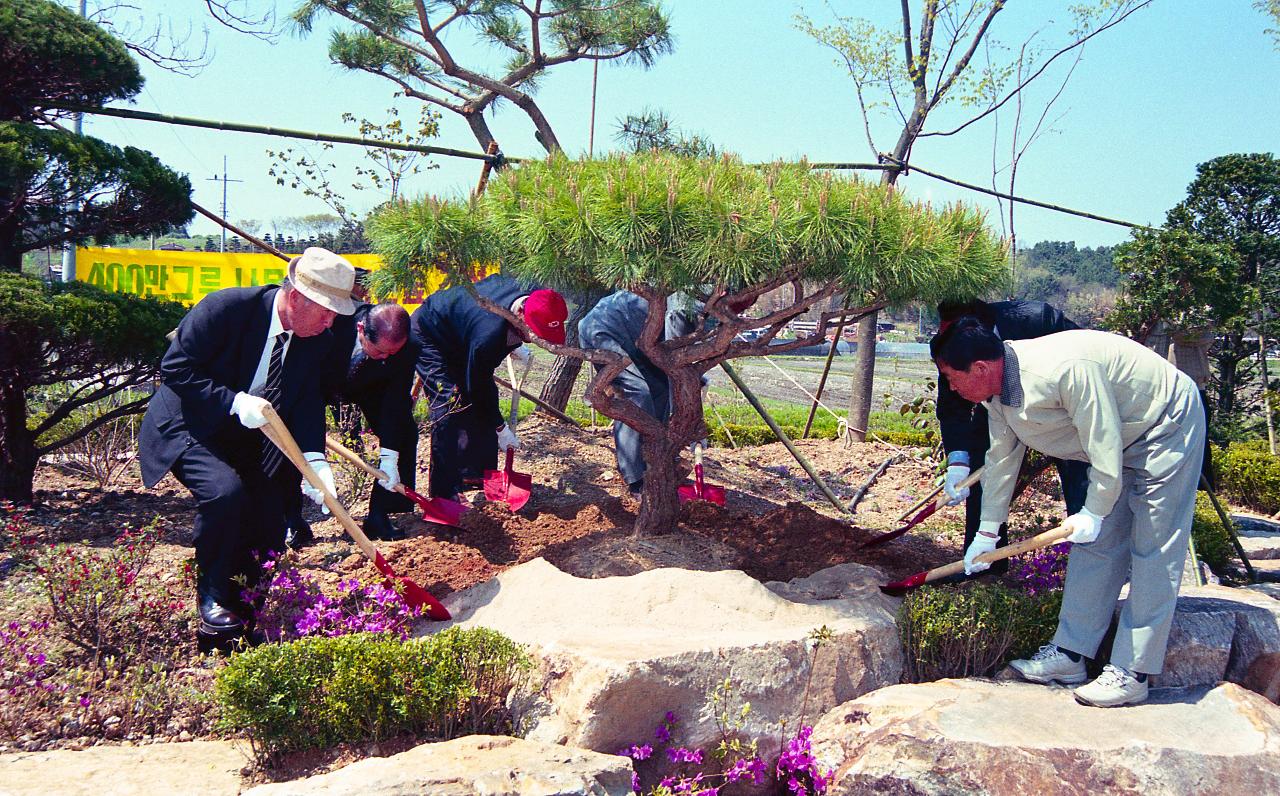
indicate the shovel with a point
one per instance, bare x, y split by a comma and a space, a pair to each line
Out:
414, 595
441, 511
700, 490
507, 485
900, 587
924, 513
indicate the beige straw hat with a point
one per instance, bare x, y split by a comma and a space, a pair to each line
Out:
325, 278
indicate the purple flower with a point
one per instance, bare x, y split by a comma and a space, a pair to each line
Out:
638, 752
85, 701
679, 754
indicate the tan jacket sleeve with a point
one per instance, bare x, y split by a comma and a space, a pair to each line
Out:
1086, 396
1000, 473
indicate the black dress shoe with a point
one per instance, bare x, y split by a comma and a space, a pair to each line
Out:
378, 526
297, 533
220, 630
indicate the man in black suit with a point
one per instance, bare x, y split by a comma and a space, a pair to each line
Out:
376, 374
238, 351
460, 344
965, 436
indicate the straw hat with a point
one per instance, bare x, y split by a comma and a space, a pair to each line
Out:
325, 278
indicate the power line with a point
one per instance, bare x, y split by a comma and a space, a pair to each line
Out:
499, 159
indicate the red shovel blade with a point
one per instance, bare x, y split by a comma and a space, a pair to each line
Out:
901, 587
924, 514
507, 485
441, 511
414, 595
701, 490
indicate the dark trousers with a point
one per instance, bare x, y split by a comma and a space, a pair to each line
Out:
239, 513
1073, 475
653, 395
463, 446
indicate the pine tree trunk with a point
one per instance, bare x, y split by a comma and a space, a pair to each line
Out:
864, 369
17, 446
559, 387
659, 502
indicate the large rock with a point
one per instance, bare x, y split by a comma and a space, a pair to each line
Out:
1217, 634
477, 764
1259, 536
198, 768
976, 736
618, 653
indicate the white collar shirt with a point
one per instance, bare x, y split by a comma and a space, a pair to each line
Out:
259, 380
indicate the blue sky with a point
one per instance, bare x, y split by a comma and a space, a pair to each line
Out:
1177, 84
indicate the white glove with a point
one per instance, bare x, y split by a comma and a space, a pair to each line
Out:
389, 464
955, 474
982, 543
507, 439
320, 467
250, 409
1085, 526
521, 355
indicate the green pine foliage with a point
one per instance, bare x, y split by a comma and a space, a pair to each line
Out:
674, 224
317, 692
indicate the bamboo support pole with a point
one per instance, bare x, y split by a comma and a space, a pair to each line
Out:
783, 438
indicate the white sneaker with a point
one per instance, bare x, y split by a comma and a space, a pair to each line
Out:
1048, 665
1114, 687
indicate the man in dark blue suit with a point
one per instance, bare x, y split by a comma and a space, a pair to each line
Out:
238, 351
965, 436
460, 344
373, 369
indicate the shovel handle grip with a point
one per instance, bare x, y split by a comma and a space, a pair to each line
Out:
278, 433
357, 460
1000, 553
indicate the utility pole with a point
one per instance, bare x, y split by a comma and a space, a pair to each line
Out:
224, 180
69, 248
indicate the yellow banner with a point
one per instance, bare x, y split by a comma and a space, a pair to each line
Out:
190, 276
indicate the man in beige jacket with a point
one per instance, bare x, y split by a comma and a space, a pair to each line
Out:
1101, 398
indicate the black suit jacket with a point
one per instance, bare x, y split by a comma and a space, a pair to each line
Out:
460, 343
380, 386
963, 424
213, 357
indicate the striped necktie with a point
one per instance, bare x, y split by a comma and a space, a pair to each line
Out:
271, 455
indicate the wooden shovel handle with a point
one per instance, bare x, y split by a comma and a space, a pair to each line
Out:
278, 433
973, 478
358, 460
1018, 548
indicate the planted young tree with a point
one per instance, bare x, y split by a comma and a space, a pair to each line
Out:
94, 344
924, 62
717, 230
55, 186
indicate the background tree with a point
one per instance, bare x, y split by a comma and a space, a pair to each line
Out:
914, 71
406, 43
717, 230
90, 343
1235, 201
57, 187
653, 129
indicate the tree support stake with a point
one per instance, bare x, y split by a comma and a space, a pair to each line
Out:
782, 437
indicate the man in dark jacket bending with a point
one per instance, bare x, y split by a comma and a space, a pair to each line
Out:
460, 344
237, 352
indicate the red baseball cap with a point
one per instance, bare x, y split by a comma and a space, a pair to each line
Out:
546, 312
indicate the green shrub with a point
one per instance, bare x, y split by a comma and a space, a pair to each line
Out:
317, 691
972, 629
1213, 545
1249, 475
